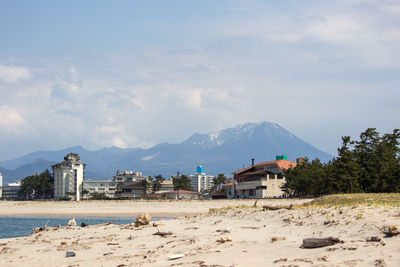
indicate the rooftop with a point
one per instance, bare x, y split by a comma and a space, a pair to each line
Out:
283, 164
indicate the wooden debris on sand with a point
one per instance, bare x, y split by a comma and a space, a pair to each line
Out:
268, 207
162, 233
319, 242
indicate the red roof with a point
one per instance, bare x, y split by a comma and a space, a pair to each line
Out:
282, 163
180, 192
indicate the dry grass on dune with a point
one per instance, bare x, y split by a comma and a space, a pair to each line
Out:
339, 200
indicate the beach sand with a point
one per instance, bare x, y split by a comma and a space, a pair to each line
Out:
228, 237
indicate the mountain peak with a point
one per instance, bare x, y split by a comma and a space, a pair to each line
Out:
231, 135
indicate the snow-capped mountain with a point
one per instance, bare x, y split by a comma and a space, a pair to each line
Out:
219, 152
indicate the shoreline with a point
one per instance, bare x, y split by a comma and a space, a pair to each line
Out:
229, 236
97, 215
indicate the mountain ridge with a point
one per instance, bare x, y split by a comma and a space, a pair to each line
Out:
221, 151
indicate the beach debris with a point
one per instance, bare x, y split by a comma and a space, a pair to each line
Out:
319, 242
329, 222
112, 244
224, 239
5, 250
176, 256
390, 230
380, 263
38, 229
131, 237
104, 224
72, 222
83, 224
162, 233
268, 207
276, 238
226, 230
142, 219
374, 239
251, 227
70, 254
255, 203
280, 260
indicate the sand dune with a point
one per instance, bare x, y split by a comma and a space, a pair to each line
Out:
227, 237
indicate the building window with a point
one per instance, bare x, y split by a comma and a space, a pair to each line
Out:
251, 192
261, 187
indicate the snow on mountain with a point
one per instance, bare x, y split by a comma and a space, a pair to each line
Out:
221, 151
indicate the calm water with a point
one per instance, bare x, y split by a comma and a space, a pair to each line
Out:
22, 226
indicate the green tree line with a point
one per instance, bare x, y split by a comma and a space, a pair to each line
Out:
370, 164
37, 186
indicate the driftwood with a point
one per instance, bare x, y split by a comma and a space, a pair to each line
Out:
267, 207
162, 233
103, 224
374, 239
319, 242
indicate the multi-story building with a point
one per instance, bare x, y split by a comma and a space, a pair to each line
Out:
10, 192
68, 177
200, 181
135, 189
262, 180
103, 186
128, 176
126, 184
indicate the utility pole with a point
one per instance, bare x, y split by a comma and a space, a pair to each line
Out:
177, 181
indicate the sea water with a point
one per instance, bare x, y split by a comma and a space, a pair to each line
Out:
22, 226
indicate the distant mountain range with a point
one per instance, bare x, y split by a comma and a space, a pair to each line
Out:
218, 152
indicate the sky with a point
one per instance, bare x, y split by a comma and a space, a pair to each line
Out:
139, 73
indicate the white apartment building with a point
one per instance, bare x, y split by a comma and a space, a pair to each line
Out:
200, 181
110, 187
101, 186
128, 176
68, 177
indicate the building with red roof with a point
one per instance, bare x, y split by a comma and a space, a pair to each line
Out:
262, 180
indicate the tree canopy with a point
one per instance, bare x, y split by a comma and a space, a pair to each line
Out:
157, 182
370, 165
182, 183
38, 186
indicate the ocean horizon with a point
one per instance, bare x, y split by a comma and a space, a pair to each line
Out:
22, 226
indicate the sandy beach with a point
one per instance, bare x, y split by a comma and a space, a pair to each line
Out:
242, 236
125, 208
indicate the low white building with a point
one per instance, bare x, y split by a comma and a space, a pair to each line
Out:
100, 186
10, 191
68, 177
112, 187
128, 176
200, 181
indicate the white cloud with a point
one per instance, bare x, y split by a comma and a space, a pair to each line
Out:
10, 121
335, 29
304, 66
10, 74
